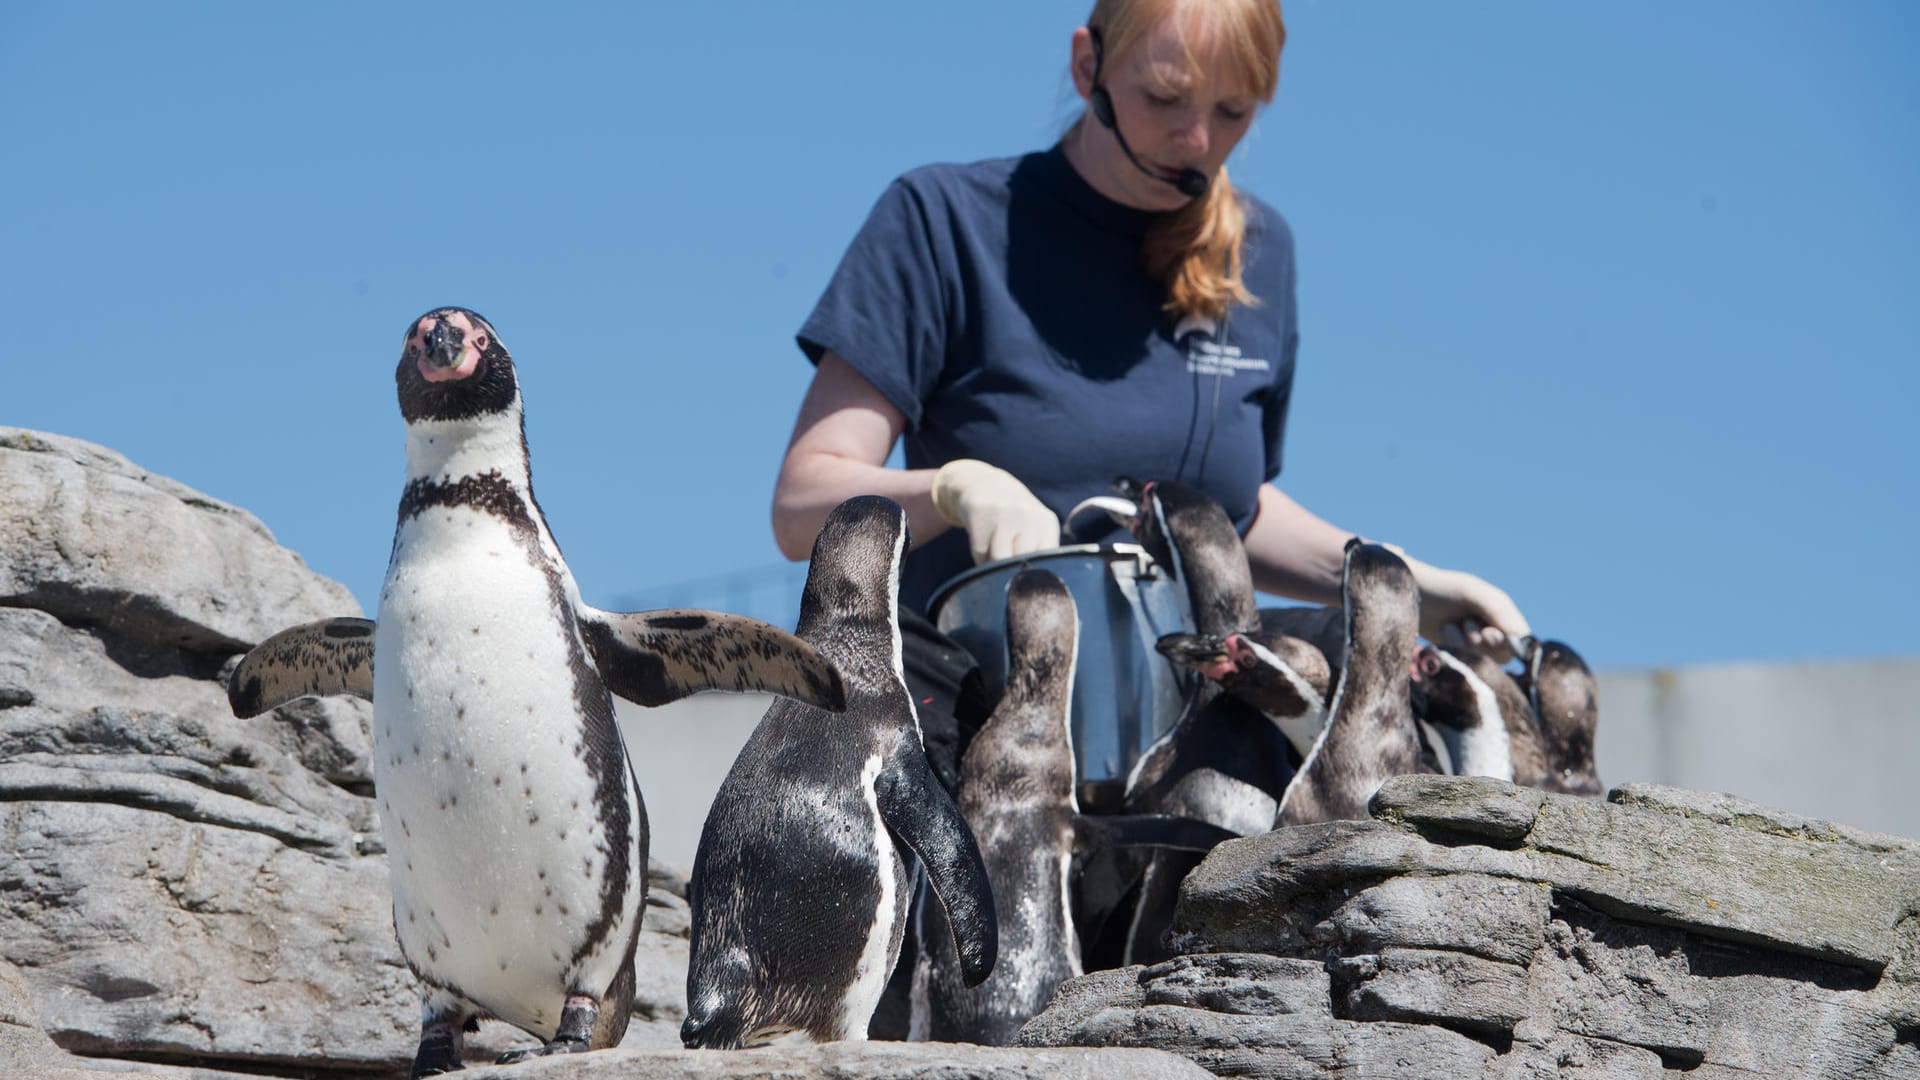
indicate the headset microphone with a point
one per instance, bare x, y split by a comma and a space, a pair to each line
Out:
1191, 182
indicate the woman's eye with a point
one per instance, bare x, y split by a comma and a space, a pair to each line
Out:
1233, 115
1161, 100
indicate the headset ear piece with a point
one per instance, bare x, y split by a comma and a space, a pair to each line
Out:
1101, 105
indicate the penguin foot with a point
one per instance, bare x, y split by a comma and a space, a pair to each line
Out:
557, 1046
574, 1036
439, 1053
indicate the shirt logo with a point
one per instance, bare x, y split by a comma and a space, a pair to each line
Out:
1205, 356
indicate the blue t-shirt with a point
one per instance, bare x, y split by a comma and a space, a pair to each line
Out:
1003, 308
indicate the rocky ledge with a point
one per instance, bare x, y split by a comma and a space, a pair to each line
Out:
182, 892
1473, 928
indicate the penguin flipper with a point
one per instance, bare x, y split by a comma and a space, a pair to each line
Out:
323, 659
1147, 830
653, 657
922, 817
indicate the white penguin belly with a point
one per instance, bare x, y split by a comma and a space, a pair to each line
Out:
878, 955
495, 839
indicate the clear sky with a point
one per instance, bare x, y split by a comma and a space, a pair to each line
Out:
1616, 304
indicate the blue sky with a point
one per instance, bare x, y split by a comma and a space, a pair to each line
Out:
1614, 303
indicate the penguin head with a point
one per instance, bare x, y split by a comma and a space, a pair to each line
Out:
853, 578
454, 367
1563, 694
1190, 534
1382, 601
1448, 697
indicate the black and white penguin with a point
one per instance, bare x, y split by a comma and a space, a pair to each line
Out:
516, 837
1526, 749
1222, 762
1017, 794
1461, 709
799, 891
1370, 733
1285, 678
1566, 704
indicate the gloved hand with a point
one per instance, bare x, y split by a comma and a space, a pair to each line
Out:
1459, 608
1001, 516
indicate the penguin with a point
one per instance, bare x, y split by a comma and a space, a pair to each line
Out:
516, 835
1460, 709
800, 882
1285, 678
1222, 762
1526, 749
1370, 733
1017, 793
1566, 704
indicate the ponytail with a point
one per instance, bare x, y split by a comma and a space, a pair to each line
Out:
1196, 252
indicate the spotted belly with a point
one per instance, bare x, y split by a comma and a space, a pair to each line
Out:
510, 886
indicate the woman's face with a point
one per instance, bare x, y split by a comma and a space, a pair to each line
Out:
1176, 114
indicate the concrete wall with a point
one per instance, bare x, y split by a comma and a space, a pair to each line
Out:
1837, 740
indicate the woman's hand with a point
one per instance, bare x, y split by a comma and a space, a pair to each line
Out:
1460, 608
1001, 516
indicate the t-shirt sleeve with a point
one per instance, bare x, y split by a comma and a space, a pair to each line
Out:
885, 310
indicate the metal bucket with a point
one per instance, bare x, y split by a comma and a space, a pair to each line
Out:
1125, 695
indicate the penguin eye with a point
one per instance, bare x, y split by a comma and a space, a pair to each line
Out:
480, 342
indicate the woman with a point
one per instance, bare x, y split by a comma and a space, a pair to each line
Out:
1036, 326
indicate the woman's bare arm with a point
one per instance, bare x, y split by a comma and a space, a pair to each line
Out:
1295, 553
839, 449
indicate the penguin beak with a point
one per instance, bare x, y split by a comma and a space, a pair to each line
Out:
1203, 654
445, 343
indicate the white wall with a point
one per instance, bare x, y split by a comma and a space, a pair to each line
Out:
681, 752
1837, 740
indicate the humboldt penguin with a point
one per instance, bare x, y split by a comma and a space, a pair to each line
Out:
516, 836
1566, 704
800, 882
1370, 732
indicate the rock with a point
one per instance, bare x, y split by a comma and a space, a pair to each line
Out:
1832, 900
1434, 987
95, 540
854, 1061
1475, 929
1279, 1021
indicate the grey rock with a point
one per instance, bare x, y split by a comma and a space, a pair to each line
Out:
1241, 983
855, 1061
1278, 1023
1626, 984
95, 540
1825, 900
1832, 901
1731, 810
1495, 918
1543, 1052
1475, 805
1434, 987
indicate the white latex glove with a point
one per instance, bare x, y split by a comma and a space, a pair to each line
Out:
1459, 608
1001, 516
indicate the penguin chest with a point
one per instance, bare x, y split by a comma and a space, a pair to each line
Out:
511, 829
